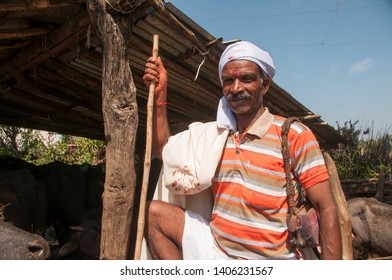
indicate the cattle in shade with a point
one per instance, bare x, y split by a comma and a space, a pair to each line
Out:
12, 164
25, 199
74, 192
18, 244
83, 241
66, 189
372, 228
69, 198
55, 196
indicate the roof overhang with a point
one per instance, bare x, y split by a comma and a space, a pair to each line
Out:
51, 67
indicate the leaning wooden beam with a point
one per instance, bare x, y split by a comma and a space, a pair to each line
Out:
120, 115
341, 206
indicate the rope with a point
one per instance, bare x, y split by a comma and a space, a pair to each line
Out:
204, 59
286, 161
118, 4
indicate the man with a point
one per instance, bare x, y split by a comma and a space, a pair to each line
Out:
247, 181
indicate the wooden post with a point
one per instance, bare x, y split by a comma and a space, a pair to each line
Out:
121, 120
341, 205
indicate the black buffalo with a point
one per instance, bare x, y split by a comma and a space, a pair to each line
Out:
55, 196
18, 244
24, 200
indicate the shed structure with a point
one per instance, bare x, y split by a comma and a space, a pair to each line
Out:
51, 68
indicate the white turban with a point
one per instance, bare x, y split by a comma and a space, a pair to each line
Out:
247, 51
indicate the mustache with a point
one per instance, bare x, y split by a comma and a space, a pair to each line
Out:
240, 96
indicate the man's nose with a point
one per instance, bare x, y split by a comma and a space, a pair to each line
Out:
237, 86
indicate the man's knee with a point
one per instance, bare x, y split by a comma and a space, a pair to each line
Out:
164, 216
165, 219
158, 212
164, 229
155, 210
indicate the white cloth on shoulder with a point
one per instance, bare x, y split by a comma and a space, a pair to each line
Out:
224, 116
190, 158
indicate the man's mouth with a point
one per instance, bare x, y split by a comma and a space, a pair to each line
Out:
237, 97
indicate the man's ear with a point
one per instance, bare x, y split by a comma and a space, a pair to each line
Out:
265, 85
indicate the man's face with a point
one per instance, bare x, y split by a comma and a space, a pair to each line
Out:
243, 86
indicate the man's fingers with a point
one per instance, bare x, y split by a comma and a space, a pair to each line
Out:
151, 60
150, 75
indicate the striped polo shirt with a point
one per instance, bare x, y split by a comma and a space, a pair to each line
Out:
250, 209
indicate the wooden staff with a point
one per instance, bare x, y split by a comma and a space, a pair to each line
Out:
147, 158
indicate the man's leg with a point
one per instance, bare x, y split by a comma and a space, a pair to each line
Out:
164, 230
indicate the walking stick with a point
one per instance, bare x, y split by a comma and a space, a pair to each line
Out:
147, 158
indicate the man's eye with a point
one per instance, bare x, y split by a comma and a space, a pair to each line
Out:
227, 81
247, 80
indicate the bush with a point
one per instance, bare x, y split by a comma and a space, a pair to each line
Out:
43, 147
363, 154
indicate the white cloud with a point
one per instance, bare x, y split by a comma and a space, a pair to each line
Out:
361, 66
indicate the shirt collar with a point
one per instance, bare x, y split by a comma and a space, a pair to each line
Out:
262, 124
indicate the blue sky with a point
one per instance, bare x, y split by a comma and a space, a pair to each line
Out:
335, 57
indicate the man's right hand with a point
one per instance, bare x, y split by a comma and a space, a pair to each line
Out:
156, 72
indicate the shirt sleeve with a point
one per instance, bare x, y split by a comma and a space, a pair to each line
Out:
307, 158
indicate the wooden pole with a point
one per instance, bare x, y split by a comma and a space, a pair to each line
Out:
147, 158
341, 205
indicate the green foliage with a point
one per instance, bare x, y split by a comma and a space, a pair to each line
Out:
17, 142
41, 148
364, 154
